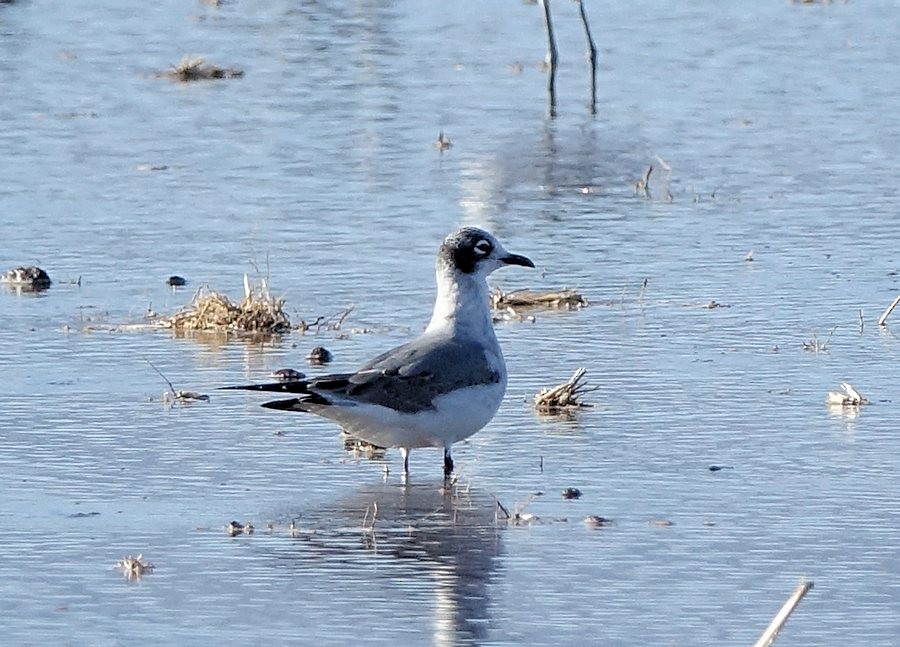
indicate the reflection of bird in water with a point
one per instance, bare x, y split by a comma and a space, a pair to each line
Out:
426, 537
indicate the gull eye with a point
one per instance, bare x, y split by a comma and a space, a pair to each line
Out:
483, 247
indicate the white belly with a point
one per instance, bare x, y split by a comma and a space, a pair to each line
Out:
455, 416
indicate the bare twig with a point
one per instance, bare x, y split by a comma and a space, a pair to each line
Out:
591, 56
642, 186
884, 315
552, 57
783, 614
171, 387
177, 395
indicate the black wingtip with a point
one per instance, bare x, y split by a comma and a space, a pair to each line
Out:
278, 387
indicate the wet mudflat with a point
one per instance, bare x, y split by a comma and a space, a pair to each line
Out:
317, 169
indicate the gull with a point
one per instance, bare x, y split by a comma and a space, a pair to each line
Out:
435, 390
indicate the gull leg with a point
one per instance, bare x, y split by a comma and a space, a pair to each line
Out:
448, 463
551, 57
592, 56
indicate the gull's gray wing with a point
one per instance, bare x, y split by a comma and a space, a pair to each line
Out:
409, 377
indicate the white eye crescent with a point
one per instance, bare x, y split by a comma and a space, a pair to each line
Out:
483, 247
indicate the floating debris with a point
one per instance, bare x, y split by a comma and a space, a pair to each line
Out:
443, 142
152, 167
319, 355
594, 521
173, 395
712, 305
565, 396
194, 68
815, 346
257, 312
176, 281
719, 468
184, 396
26, 279
571, 493
358, 446
662, 523
849, 398
234, 528
519, 517
562, 299
133, 568
288, 375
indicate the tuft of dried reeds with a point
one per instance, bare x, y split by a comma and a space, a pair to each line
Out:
133, 568
257, 312
565, 396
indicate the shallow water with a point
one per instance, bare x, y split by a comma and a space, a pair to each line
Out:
318, 168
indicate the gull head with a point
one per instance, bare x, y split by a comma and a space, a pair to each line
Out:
475, 252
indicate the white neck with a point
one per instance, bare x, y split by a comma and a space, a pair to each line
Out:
462, 303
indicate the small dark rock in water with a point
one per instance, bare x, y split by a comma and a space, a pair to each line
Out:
288, 375
571, 493
319, 355
29, 278
176, 281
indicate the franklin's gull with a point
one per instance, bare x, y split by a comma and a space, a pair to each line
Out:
435, 390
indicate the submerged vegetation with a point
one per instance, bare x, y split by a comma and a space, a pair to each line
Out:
194, 68
513, 302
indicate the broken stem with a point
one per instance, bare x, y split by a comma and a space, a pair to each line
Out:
551, 58
783, 614
171, 387
887, 313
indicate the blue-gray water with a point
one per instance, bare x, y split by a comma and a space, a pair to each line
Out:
318, 167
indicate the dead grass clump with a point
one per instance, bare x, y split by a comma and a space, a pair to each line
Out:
257, 312
194, 68
563, 299
564, 397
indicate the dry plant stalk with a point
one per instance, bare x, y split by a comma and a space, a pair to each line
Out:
194, 68
562, 299
257, 312
564, 396
768, 636
849, 398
